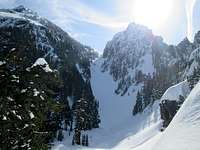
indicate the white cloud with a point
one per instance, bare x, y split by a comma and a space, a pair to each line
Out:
67, 13
78, 11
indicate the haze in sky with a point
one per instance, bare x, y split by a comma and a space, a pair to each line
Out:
94, 22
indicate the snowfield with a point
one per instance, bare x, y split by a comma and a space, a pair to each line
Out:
118, 131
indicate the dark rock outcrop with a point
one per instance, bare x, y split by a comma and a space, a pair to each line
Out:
168, 109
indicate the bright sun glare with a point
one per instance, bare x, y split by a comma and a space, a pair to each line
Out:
152, 13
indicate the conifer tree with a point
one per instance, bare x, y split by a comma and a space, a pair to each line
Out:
83, 140
86, 141
60, 135
26, 97
77, 136
139, 104
73, 140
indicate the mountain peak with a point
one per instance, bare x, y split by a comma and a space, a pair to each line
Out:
185, 41
20, 8
133, 26
134, 32
27, 13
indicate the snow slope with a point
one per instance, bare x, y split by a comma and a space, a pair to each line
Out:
112, 106
183, 132
119, 130
141, 132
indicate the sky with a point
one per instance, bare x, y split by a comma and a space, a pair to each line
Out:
94, 22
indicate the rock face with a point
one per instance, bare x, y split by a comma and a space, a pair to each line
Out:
172, 100
168, 109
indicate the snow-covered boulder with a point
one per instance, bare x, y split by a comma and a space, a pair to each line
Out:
174, 92
172, 100
42, 62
